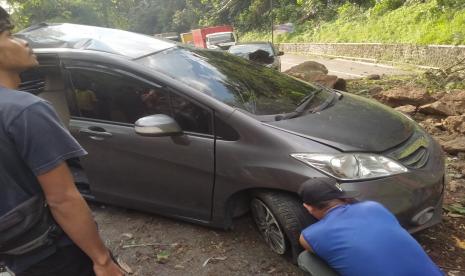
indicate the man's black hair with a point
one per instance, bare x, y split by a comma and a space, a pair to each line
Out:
5, 23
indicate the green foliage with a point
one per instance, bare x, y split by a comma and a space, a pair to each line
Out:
388, 21
384, 6
417, 22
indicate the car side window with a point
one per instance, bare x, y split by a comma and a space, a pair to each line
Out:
190, 116
115, 98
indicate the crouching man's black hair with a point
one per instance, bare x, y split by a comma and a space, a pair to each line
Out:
5, 23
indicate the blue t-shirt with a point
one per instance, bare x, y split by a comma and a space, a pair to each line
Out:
366, 239
32, 142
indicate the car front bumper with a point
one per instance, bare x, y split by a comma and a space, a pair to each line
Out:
414, 197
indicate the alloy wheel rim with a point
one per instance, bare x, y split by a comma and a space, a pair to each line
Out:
268, 226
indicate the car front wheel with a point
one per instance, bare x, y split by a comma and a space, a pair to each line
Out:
280, 217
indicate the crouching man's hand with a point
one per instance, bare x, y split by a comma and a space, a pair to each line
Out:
107, 267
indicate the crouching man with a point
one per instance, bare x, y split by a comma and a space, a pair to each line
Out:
356, 238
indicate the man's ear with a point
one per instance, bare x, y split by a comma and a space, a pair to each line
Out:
308, 207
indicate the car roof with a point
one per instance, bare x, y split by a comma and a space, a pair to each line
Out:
257, 42
83, 37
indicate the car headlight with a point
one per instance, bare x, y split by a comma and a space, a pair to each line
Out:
352, 166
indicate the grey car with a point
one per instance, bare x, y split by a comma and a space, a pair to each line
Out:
248, 49
205, 136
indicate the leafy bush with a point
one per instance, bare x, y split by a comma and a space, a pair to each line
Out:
385, 6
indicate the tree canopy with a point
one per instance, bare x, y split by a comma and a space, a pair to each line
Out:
157, 16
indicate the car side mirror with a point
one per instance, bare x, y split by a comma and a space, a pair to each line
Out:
280, 53
158, 125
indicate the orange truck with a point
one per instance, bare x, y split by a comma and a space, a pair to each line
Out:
218, 37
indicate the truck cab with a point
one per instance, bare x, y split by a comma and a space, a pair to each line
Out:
221, 40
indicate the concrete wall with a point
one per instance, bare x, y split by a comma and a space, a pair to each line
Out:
431, 55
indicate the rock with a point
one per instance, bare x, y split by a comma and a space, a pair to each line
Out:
308, 66
452, 185
373, 77
438, 95
375, 90
436, 108
456, 101
454, 146
404, 96
431, 125
323, 79
330, 81
455, 124
407, 109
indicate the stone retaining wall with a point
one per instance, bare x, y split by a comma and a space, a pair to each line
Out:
431, 55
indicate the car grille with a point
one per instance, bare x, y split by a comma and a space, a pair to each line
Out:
414, 152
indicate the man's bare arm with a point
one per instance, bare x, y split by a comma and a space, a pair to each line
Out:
72, 213
305, 244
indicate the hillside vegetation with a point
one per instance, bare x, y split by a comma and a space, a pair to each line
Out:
396, 21
390, 21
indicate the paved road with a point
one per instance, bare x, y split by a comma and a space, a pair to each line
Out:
342, 68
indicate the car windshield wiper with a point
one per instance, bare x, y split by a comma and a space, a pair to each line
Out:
329, 101
302, 105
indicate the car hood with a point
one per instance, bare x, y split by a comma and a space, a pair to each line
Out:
352, 124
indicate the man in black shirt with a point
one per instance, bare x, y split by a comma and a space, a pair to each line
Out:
34, 147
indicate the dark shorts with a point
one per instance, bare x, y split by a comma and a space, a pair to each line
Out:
312, 265
66, 261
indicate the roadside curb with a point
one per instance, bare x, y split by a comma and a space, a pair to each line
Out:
409, 66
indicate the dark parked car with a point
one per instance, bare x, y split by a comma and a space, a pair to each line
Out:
205, 136
262, 52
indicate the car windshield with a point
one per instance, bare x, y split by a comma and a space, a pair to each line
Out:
220, 38
235, 81
244, 49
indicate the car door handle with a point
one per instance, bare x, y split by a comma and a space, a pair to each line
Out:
96, 134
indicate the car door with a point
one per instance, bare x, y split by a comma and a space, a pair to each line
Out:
168, 175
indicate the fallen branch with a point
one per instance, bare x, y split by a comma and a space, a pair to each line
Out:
143, 245
214, 259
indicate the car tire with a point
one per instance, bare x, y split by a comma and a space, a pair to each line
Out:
280, 218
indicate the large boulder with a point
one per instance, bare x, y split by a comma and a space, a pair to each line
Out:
436, 108
404, 96
306, 67
330, 81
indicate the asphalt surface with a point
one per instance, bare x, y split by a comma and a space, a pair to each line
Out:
346, 69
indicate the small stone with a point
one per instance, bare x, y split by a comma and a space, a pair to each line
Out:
454, 146
127, 236
455, 124
373, 77
407, 109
